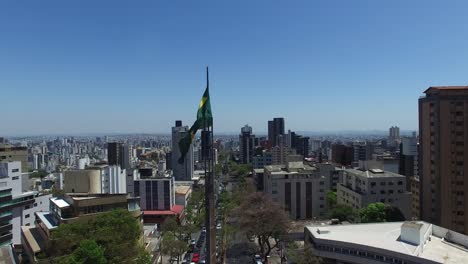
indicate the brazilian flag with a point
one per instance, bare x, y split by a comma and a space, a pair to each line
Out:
204, 120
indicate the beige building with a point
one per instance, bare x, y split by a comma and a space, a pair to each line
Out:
11, 153
298, 188
361, 188
443, 131
96, 179
182, 194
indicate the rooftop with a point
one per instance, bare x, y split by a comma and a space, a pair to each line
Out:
48, 219
445, 88
388, 236
182, 189
33, 238
374, 173
60, 203
175, 210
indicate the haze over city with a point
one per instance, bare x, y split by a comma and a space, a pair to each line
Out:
119, 67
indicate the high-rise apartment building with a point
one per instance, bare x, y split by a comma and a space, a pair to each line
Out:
247, 144
362, 151
342, 154
443, 133
119, 154
393, 135
181, 171
275, 129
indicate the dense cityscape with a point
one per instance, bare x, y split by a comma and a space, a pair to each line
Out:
233, 132
280, 198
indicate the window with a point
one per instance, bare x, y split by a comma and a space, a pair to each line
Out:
35, 204
26, 216
15, 170
400, 183
15, 178
27, 207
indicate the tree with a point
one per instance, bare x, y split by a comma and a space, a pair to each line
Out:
116, 232
89, 252
342, 212
380, 212
331, 199
259, 216
39, 174
301, 254
394, 214
173, 247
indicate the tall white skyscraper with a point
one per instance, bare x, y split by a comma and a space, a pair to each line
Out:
184, 171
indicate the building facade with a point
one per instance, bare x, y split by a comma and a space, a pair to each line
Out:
361, 188
184, 171
443, 132
342, 154
96, 179
275, 130
12, 153
298, 188
246, 145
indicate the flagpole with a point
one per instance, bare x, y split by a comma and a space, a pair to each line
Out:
207, 144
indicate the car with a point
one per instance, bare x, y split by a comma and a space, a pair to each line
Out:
257, 258
195, 259
218, 226
202, 261
192, 242
203, 229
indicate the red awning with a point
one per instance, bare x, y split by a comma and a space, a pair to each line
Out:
175, 210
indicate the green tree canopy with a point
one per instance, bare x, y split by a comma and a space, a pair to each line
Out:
342, 212
380, 212
116, 234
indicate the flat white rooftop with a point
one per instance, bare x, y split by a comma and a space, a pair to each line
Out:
60, 203
387, 236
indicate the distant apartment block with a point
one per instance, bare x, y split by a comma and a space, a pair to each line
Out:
298, 188
260, 161
275, 130
246, 145
181, 171
361, 188
342, 154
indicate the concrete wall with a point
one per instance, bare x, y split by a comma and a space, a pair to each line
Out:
82, 181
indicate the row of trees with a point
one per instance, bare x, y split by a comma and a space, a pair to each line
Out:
176, 237
111, 237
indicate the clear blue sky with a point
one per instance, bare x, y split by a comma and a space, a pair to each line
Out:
136, 66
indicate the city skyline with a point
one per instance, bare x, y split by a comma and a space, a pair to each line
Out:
111, 67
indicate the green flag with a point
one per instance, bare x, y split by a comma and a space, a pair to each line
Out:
204, 119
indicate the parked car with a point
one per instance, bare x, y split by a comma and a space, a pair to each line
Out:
218, 226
